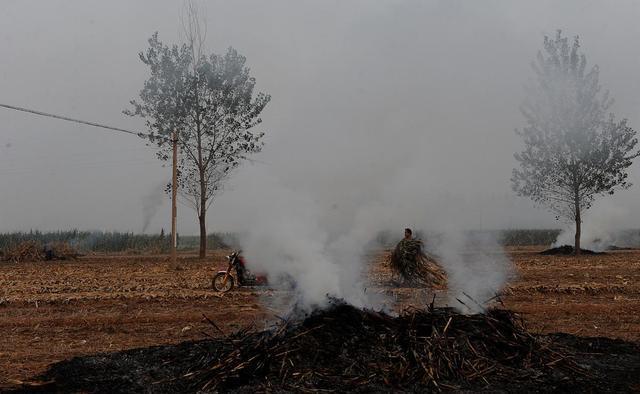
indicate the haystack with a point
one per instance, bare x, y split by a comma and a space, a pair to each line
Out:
24, 251
35, 251
64, 251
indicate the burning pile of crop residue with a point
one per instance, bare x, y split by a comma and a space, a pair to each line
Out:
343, 348
566, 250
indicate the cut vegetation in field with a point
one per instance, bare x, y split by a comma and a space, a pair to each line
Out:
567, 249
111, 242
410, 262
35, 251
53, 312
344, 348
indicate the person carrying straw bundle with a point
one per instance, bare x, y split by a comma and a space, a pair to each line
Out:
411, 263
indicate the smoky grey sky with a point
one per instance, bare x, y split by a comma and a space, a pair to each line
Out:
364, 94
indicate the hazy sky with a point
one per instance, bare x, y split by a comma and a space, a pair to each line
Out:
363, 93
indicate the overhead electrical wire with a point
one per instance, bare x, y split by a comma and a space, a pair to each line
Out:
32, 111
94, 124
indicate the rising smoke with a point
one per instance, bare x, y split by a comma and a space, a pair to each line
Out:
380, 124
151, 203
600, 229
322, 240
476, 266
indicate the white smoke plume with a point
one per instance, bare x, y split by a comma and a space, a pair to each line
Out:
322, 242
151, 203
476, 266
287, 236
600, 227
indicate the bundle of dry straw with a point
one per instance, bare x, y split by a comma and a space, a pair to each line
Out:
35, 251
413, 265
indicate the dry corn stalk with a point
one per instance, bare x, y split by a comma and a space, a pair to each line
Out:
412, 264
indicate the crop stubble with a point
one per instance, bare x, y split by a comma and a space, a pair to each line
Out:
56, 310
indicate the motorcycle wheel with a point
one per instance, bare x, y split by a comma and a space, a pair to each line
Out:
218, 280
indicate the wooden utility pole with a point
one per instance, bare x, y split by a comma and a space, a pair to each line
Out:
174, 207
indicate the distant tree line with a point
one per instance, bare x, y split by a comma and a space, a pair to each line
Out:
99, 241
113, 242
510, 237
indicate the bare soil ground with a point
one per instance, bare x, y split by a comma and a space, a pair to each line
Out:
50, 311
595, 295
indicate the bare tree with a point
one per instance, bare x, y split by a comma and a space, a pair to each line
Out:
574, 150
209, 100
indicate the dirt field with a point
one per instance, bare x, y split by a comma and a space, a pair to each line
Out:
51, 311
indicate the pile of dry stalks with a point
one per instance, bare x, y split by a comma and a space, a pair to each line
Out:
64, 251
411, 263
344, 348
35, 251
567, 250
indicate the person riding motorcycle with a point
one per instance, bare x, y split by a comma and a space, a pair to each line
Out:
241, 270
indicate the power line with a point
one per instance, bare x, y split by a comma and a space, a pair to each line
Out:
32, 111
94, 124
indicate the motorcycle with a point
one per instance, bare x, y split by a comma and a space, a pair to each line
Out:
224, 281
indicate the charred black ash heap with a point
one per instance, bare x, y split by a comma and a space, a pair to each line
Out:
343, 348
